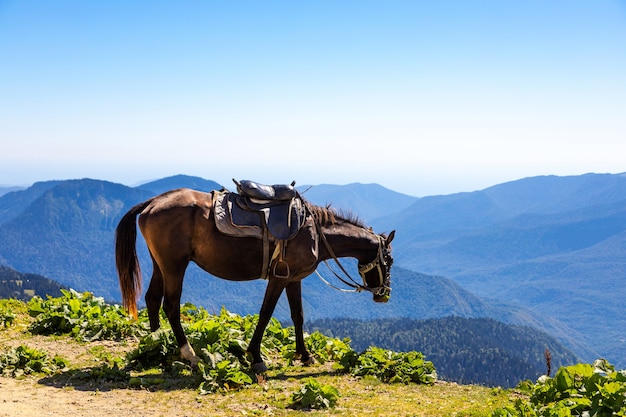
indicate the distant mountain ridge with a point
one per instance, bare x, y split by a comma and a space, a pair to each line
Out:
532, 250
12, 204
8, 189
554, 244
368, 201
180, 181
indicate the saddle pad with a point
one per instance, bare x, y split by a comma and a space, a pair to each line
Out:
248, 224
235, 215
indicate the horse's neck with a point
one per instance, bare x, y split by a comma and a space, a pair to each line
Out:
348, 240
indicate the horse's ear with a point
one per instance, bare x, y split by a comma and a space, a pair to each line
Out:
390, 237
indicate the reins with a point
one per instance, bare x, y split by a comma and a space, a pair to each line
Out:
352, 283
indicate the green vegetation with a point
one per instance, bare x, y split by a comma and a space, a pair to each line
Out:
23, 360
578, 390
470, 351
389, 366
83, 316
376, 381
6, 317
314, 395
221, 341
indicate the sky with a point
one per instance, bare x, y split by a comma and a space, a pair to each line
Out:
422, 97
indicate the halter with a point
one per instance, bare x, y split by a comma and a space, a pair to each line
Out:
382, 290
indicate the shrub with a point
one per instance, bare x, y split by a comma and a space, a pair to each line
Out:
314, 395
8, 311
85, 317
220, 341
582, 389
23, 360
389, 366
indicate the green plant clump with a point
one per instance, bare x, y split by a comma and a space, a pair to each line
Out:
8, 311
314, 395
577, 390
84, 316
220, 341
7, 317
23, 360
389, 366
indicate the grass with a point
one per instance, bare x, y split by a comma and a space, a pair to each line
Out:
157, 392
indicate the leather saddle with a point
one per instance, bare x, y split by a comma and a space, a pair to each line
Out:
255, 208
272, 213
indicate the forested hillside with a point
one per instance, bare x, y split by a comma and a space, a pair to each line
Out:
474, 350
22, 286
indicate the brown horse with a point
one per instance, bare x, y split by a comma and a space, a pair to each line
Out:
179, 227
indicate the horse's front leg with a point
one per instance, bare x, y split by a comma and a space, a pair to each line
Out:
272, 294
294, 296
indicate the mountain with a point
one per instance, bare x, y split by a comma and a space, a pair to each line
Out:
180, 181
545, 252
24, 286
13, 203
368, 201
66, 232
4, 190
555, 245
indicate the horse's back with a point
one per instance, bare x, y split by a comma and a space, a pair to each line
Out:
181, 198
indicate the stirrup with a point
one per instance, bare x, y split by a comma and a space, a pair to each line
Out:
280, 262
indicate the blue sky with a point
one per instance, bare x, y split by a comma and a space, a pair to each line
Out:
422, 97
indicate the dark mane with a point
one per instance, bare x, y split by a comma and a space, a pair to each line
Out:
330, 215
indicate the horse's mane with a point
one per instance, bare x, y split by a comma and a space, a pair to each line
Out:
328, 214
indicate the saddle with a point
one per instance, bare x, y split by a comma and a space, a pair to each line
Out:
279, 208
273, 213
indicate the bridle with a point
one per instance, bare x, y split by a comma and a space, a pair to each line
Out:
382, 290
380, 261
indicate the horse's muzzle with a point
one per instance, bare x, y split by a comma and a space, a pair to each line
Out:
381, 298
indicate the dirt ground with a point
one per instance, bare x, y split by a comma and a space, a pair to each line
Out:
42, 396
33, 398
39, 396
29, 398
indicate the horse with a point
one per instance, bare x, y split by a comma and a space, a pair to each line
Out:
179, 227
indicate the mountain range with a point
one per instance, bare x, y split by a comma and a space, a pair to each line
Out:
556, 245
546, 252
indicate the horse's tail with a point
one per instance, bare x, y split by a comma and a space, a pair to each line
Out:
128, 269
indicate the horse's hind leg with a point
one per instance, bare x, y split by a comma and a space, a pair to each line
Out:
172, 290
154, 296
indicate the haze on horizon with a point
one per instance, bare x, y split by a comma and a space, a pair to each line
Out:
421, 97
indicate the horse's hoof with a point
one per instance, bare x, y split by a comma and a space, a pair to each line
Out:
259, 368
309, 361
187, 352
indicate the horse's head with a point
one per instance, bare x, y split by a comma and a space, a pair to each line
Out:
377, 274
